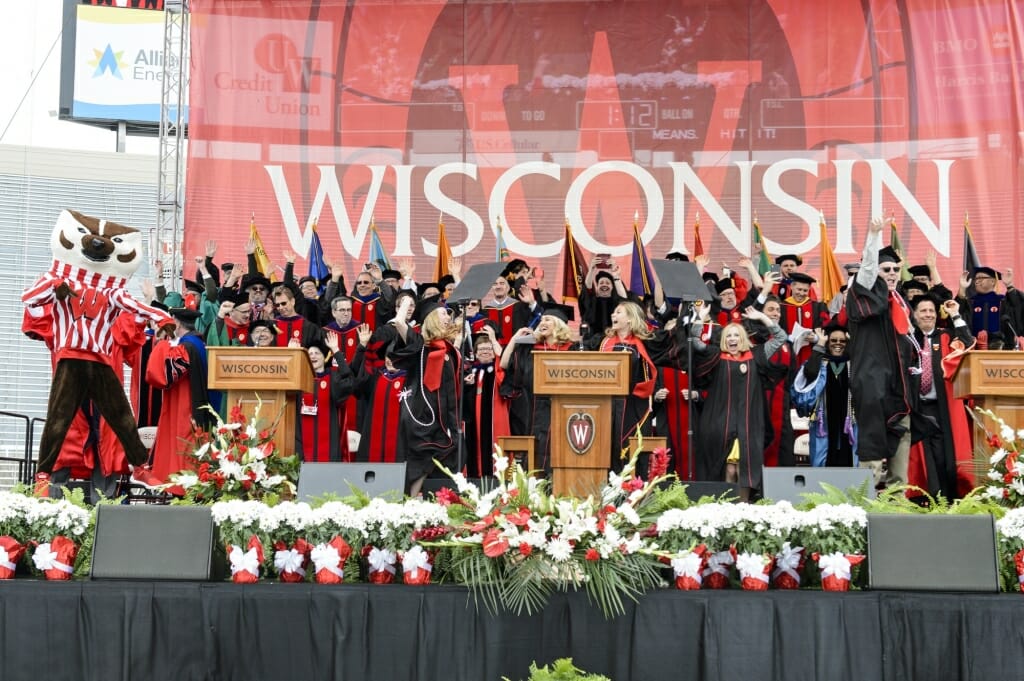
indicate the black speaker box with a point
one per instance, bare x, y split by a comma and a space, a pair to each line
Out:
696, 489
935, 552
157, 542
376, 479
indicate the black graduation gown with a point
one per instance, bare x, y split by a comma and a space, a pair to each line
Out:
321, 417
734, 409
836, 396
428, 425
478, 415
879, 374
379, 426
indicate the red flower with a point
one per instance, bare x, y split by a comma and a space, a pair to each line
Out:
247, 484
994, 441
446, 496
484, 523
525, 549
513, 493
659, 462
592, 554
236, 415
494, 544
632, 484
519, 518
242, 449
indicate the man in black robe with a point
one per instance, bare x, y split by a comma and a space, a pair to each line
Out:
884, 352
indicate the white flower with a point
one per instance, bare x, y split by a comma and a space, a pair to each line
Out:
1006, 433
186, 480
629, 514
559, 549
997, 456
995, 475
500, 465
994, 492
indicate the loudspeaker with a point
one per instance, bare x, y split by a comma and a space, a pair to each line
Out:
709, 488
375, 479
157, 542
790, 483
935, 552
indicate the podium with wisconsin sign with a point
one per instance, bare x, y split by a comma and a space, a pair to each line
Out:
994, 379
272, 377
581, 386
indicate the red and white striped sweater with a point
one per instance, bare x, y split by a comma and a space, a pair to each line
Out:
82, 323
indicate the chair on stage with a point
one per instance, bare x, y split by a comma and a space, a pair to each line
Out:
519, 448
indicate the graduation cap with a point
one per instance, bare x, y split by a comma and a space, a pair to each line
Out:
184, 313
919, 271
255, 280
677, 256
266, 324
512, 267
852, 268
710, 277
563, 312
421, 289
477, 281
324, 350
723, 285
914, 285
478, 329
443, 282
925, 297
391, 274
789, 256
227, 267
987, 271
888, 254
194, 285
682, 280
237, 297
425, 306
306, 278
802, 278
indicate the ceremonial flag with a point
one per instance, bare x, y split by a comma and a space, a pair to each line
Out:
262, 260
574, 267
764, 260
831, 278
698, 246
971, 259
377, 253
501, 253
641, 275
894, 241
317, 267
444, 252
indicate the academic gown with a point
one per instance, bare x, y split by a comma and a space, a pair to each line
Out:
348, 340
428, 426
672, 416
952, 428
830, 443
323, 429
510, 316
297, 328
734, 409
179, 370
881, 358
485, 414
383, 389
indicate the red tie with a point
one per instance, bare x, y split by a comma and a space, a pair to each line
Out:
898, 312
926, 367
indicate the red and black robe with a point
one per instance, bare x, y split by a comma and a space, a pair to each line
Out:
324, 431
485, 414
380, 422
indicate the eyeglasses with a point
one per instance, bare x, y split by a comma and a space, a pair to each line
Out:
888, 269
280, 303
983, 277
258, 289
363, 282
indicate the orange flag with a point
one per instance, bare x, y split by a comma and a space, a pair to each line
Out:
831, 273
444, 252
698, 246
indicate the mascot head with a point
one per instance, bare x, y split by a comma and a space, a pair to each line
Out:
96, 245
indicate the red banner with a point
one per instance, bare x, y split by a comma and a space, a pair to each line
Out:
337, 113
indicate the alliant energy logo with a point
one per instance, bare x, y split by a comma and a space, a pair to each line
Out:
580, 431
107, 60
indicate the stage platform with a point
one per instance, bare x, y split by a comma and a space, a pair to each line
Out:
192, 631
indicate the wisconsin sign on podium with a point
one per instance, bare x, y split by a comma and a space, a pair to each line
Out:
581, 385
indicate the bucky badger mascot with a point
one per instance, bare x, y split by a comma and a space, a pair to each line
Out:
92, 261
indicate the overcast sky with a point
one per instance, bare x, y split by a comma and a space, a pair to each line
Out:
31, 34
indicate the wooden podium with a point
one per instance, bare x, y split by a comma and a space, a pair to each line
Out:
994, 379
275, 377
581, 385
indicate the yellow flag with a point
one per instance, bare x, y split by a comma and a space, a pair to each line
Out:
262, 260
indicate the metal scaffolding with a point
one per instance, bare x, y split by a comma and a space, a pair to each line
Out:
166, 243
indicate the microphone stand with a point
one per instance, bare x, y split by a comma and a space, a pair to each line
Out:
688, 321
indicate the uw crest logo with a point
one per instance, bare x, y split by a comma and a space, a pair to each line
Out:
579, 429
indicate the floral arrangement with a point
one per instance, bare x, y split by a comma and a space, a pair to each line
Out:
237, 459
1006, 470
1010, 530
516, 543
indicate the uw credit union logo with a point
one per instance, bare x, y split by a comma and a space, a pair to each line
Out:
107, 60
